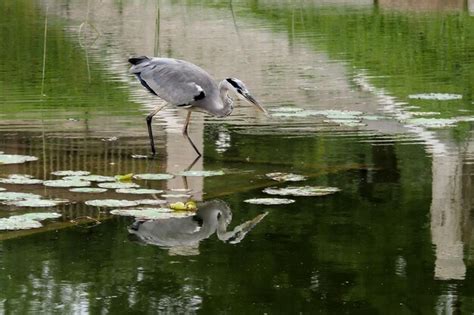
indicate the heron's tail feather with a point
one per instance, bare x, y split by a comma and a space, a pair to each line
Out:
138, 60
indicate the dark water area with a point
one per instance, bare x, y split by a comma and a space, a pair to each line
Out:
374, 98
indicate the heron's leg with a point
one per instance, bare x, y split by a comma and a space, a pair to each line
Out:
150, 131
185, 133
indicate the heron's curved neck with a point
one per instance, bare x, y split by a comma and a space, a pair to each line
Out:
224, 93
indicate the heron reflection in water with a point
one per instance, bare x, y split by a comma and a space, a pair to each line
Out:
182, 235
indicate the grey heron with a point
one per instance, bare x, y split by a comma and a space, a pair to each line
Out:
185, 85
182, 235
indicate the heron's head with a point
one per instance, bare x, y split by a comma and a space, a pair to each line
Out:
241, 90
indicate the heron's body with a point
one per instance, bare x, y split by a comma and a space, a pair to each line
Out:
185, 85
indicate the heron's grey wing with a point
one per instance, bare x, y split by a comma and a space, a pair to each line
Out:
175, 81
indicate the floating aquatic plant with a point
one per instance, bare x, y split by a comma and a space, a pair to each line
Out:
307, 191
436, 96
425, 113
66, 183
16, 159
91, 178
346, 122
201, 173
70, 173
285, 177
88, 190
181, 206
138, 191
112, 203
150, 202
269, 201
40, 203
10, 196
26, 221
432, 122
124, 178
18, 179
153, 176
118, 185
176, 196
152, 213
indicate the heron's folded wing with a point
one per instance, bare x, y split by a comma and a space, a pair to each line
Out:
173, 83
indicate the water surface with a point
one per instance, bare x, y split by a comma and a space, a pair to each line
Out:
396, 238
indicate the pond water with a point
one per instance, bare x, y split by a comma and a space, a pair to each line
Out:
374, 99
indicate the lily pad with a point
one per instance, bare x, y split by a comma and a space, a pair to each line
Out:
17, 179
305, 191
16, 159
36, 203
124, 178
138, 191
26, 221
202, 173
118, 185
10, 196
152, 213
269, 201
88, 190
436, 96
285, 177
176, 196
346, 122
112, 203
425, 113
433, 122
91, 178
286, 109
70, 173
150, 202
153, 176
66, 183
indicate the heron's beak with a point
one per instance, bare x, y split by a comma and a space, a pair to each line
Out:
253, 101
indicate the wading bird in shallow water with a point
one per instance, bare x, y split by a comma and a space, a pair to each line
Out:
187, 86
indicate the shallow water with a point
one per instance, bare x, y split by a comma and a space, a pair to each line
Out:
396, 238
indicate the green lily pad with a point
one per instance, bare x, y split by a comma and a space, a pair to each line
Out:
17, 179
269, 201
152, 213
88, 190
176, 196
150, 202
40, 203
70, 173
66, 183
138, 191
285, 177
16, 159
201, 173
433, 122
10, 196
303, 191
153, 176
436, 96
118, 185
111, 203
91, 178
26, 221
425, 113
